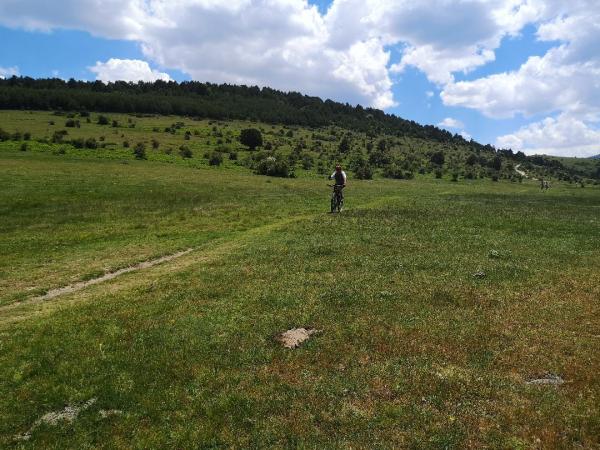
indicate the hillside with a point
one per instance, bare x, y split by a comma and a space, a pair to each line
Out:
375, 142
284, 150
206, 100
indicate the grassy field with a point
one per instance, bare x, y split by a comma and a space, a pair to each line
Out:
437, 302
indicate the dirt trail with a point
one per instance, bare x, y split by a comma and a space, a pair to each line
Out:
110, 275
522, 173
57, 298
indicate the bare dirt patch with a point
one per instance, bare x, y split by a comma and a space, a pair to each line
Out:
106, 413
68, 414
548, 378
295, 337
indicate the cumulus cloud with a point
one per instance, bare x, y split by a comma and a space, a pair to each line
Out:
127, 70
449, 122
563, 82
466, 136
6, 72
542, 85
288, 44
564, 135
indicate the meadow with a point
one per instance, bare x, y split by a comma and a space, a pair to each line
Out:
438, 303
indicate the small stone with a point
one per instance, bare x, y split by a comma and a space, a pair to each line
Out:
548, 378
480, 274
106, 413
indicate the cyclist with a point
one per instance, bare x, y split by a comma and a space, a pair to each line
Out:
339, 176
340, 180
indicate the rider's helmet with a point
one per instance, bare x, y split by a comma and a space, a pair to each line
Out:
338, 168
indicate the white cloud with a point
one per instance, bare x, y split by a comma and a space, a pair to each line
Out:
126, 70
449, 122
287, 44
561, 136
6, 72
563, 82
466, 136
542, 85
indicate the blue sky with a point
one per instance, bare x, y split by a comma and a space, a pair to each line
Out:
503, 76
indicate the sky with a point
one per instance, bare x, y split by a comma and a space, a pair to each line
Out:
519, 74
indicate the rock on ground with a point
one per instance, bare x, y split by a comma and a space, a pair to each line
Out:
295, 337
548, 378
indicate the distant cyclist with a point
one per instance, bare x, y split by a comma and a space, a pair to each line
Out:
337, 198
339, 176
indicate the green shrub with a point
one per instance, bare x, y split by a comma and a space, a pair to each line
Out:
185, 152
363, 172
72, 123
139, 151
438, 158
78, 143
251, 138
393, 171
274, 167
215, 159
91, 143
103, 120
307, 161
24, 147
57, 136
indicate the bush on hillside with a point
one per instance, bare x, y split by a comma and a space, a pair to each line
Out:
274, 167
215, 159
393, 171
139, 151
91, 143
185, 152
251, 138
103, 120
438, 158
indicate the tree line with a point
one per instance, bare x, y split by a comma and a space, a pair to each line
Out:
214, 101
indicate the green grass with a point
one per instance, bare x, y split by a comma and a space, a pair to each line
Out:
415, 351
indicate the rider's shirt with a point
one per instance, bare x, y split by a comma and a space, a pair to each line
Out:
340, 177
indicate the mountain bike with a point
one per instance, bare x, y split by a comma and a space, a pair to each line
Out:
337, 198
